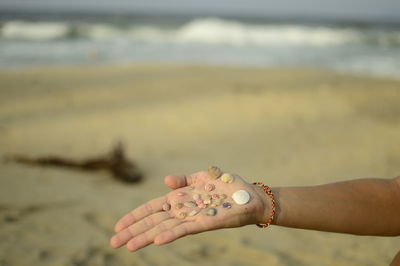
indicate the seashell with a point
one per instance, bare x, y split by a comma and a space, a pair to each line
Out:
180, 194
209, 187
214, 172
166, 207
199, 201
241, 197
193, 213
206, 196
211, 211
215, 196
190, 204
227, 178
178, 206
182, 215
226, 205
207, 201
202, 206
196, 196
217, 202
223, 196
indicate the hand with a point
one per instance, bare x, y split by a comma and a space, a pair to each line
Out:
149, 223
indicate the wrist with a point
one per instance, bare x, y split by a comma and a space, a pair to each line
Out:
265, 209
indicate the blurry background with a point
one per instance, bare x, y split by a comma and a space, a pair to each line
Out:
356, 36
290, 93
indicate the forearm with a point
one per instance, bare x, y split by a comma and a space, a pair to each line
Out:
363, 207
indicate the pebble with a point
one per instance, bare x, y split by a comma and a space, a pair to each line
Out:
241, 197
193, 213
178, 206
227, 178
209, 187
182, 215
214, 172
207, 201
215, 196
190, 204
226, 205
202, 206
211, 211
196, 196
166, 207
180, 194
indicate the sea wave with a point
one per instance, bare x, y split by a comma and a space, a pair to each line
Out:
207, 31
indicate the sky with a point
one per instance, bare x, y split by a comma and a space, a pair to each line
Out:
380, 10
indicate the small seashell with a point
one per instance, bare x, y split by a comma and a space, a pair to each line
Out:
241, 197
166, 207
199, 201
202, 206
211, 211
178, 206
226, 205
190, 204
206, 196
223, 196
180, 194
209, 187
182, 215
227, 178
214, 172
217, 202
196, 196
207, 201
215, 196
193, 213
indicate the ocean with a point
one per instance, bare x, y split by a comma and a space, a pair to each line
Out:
31, 40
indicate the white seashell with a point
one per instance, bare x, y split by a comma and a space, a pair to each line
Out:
227, 178
241, 197
193, 213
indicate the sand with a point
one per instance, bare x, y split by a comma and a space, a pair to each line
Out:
285, 127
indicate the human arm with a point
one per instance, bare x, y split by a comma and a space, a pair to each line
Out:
365, 207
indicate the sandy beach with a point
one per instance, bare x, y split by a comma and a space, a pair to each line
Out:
286, 127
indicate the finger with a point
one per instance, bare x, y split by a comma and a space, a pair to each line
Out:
148, 237
139, 213
178, 231
178, 181
143, 225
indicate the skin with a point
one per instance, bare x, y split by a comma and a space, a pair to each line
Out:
354, 207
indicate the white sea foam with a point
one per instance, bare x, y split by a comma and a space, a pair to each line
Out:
207, 40
34, 31
207, 31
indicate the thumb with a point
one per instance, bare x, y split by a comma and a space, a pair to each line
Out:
178, 181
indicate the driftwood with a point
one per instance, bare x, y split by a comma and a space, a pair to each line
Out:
116, 162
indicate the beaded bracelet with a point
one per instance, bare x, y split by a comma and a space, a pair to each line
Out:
268, 191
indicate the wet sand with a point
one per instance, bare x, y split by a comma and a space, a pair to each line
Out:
281, 126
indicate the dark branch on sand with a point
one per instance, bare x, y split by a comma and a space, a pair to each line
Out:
116, 162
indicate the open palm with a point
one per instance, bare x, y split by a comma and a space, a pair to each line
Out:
197, 203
